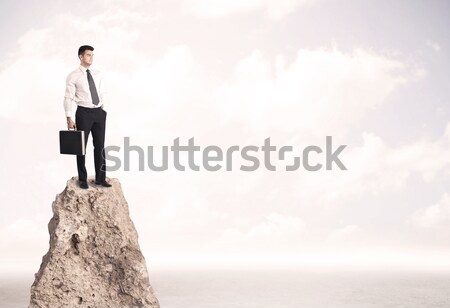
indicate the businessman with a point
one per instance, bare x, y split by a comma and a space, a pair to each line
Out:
84, 87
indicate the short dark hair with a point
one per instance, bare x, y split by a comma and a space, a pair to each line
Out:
83, 48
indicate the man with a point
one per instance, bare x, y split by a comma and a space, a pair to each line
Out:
84, 87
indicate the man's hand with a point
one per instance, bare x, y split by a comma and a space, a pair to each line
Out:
71, 124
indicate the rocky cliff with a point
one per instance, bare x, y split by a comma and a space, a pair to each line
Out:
94, 258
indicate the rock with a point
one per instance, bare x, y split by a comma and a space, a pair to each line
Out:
94, 258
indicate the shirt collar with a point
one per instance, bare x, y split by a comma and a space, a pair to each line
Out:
83, 69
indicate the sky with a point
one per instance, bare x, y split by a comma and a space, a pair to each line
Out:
372, 74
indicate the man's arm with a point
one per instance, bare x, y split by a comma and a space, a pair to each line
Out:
68, 98
102, 90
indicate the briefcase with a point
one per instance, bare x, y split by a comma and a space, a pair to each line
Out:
72, 142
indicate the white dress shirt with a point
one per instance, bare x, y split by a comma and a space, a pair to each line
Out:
77, 89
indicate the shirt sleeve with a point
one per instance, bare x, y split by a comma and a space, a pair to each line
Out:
103, 92
69, 95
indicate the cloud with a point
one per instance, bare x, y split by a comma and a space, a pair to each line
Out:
274, 10
317, 92
434, 216
156, 97
342, 234
313, 93
435, 46
375, 168
24, 238
393, 166
274, 229
33, 76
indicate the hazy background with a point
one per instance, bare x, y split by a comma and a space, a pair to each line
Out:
373, 74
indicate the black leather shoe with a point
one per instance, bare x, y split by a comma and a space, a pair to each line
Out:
83, 184
103, 183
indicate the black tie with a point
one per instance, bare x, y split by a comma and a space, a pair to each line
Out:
92, 88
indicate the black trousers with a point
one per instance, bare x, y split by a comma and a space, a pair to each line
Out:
92, 120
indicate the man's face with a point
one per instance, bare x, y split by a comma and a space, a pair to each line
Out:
87, 57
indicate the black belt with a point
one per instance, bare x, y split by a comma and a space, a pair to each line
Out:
101, 107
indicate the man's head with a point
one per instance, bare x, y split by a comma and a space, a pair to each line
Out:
86, 55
